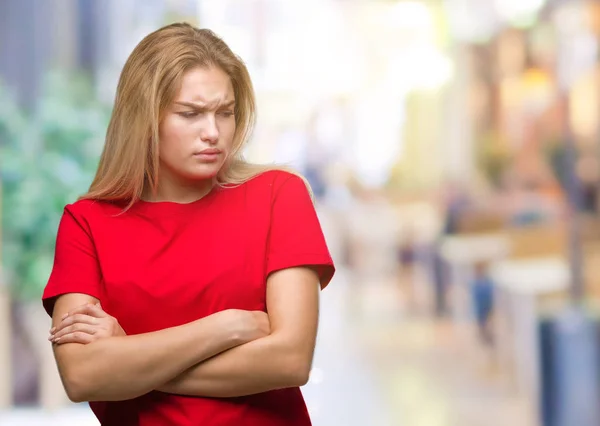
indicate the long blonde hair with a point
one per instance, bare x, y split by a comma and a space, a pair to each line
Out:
148, 84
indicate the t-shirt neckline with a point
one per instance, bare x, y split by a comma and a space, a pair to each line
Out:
172, 207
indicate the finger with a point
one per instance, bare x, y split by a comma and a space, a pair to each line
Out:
73, 319
83, 309
76, 337
83, 328
87, 309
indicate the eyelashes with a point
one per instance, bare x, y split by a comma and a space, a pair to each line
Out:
190, 114
193, 114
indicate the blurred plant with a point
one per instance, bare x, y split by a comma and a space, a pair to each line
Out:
47, 159
493, 157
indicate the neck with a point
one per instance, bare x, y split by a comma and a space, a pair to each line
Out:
178, 191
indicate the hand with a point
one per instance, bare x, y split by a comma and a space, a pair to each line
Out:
248, 325
85, 324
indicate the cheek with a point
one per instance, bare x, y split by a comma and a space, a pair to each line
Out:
172, 137
227, 136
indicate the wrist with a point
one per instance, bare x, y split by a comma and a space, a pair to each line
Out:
229, 326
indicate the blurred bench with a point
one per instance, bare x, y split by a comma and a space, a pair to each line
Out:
480, 222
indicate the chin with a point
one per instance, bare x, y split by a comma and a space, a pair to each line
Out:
204, 174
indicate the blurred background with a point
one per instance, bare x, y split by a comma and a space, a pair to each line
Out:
453, 147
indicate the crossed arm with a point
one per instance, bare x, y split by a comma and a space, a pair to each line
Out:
216, 356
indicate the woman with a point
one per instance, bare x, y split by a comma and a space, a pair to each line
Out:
166, 269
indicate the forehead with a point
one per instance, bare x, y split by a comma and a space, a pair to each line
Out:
205, 85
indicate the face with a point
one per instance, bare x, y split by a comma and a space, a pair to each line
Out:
196, 133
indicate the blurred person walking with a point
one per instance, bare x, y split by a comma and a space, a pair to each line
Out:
482, 293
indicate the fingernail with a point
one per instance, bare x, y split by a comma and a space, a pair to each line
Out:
56, 340
51, 337
52, 330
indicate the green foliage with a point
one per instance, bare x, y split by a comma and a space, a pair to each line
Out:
47, 159
493, 157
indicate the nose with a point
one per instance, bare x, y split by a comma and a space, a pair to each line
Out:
209, 132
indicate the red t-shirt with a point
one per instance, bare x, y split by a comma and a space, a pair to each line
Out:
165, 264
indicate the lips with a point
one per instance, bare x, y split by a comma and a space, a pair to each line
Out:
210, 151
210, 155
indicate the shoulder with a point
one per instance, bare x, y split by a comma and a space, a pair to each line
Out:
87, 209
278, 180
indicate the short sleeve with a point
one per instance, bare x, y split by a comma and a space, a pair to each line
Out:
76, 268
295, 235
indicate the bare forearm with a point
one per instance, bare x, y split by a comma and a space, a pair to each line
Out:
259, 366
125, 367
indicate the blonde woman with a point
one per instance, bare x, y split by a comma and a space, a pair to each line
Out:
186, 281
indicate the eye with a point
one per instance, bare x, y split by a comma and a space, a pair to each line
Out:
188, 114
226, 114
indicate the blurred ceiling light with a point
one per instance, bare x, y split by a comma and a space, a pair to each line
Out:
519, 12
410, 14
378, 142
537, 90
471, 20
420, 68
584, 111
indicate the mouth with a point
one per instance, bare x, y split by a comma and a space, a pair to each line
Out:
209, 151
211, 154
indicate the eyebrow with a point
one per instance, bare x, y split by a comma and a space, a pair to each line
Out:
203, 106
